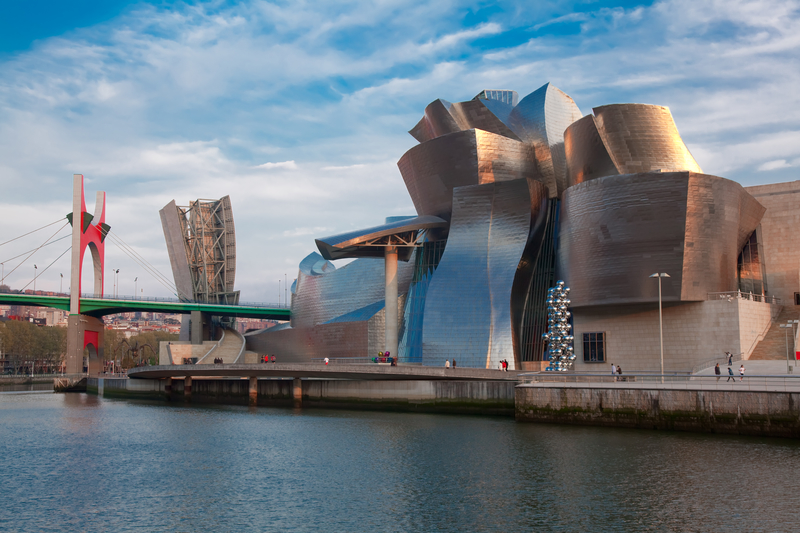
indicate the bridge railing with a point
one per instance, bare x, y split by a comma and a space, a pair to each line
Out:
179, 300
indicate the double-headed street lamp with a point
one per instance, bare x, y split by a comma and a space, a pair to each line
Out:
660, 320
789, 325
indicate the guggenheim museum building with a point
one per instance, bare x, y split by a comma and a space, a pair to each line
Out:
514, 194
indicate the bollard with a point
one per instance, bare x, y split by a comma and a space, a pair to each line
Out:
297, 392
187, 388
253, 390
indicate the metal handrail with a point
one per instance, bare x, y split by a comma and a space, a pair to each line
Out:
739, 295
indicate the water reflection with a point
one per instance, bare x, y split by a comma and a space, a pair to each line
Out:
79, 462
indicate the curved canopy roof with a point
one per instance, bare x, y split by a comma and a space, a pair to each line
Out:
372, 242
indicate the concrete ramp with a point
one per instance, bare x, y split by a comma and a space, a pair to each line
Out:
773, 346
230, 348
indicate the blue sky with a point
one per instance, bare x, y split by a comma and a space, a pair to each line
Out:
300, 110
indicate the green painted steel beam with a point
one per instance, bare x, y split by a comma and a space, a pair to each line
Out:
100, 306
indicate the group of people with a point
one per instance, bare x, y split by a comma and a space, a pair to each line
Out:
616, 371
731, 375
265, 359
218, 361
504, 365
447, 363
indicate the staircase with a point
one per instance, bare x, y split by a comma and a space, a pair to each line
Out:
229, 348
773, 346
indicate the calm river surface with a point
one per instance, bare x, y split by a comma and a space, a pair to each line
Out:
76, 462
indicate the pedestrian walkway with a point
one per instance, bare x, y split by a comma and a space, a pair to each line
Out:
754, 368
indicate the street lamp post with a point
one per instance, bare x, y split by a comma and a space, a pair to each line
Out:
785, 328
35, 273
279, 293
61, 287
660, 319
135, 286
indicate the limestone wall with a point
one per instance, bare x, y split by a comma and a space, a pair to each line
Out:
694, 332
774, 414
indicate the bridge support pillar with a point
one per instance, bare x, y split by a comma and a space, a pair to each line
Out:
168, 388
84, 332
253, 390
297, 392
187, 388
200, 328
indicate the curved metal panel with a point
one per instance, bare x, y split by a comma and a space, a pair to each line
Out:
586, 155
643, 137
475, 115
434, 169
617, 230
468, 305
436, 122
358, 243
541, 118
323, 296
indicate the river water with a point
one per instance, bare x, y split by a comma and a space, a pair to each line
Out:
76, 462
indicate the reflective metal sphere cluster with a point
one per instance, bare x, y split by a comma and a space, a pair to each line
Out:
559, 338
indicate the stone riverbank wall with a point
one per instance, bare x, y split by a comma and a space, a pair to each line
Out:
772, 414
468, 397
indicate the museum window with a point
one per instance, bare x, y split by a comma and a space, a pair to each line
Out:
594, 347
797, 298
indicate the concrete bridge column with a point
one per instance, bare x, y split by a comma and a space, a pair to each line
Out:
168, 388
297, 392
390, 300
253, 390
187, 388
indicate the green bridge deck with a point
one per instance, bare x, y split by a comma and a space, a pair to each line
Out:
109, 306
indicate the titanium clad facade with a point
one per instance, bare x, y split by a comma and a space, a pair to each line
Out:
587, 157
432, 170
321, 297
540, 119
642, 137
468, 304
617, 230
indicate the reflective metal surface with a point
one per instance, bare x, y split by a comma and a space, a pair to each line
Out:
642, 137
468, 304
615, 231
433, 169
559, 336
371, 242
335, 312
540, 119
587, 157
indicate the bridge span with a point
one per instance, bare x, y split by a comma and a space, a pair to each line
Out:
98, 307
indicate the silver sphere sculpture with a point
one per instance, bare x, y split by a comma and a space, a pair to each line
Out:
558, 337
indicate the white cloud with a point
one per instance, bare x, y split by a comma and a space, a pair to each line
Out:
189, 101
773, 165
345, 167
289, 165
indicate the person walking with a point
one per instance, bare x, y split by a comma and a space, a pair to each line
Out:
454, 362
730, 375
716, 371
741, 373
326, 361
614, 371
730, 358
273, 359
447, 363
